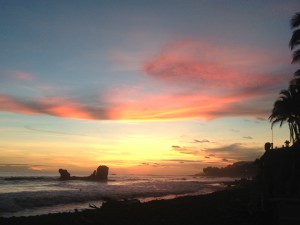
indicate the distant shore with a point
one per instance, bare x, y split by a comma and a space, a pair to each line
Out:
233, 206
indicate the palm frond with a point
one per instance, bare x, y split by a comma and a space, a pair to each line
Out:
295, 21
285, 93
294, 86
295, 40
296, 56
278, 120
297, 73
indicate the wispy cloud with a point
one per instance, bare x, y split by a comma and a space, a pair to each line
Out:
234, 130
203, 81
182, 161
185, 150
59, 107
235, 152
248, 137
191, 79
201, 141
16, 75
22, 76
21, 168
54, 132
153, 106
232, 152
201, 64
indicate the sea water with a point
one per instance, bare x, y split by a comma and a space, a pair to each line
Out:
24, 196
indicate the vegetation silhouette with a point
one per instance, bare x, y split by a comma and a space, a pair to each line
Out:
242, 169
287, 107
279, 169
295, 40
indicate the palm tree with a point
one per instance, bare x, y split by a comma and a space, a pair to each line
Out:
295, 40
287, 109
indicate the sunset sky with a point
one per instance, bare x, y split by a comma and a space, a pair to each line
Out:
147, 87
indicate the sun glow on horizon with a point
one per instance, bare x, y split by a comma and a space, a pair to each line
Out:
162, 147
142, 88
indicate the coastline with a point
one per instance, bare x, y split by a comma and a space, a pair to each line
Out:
238, 205
25, 196
82, 206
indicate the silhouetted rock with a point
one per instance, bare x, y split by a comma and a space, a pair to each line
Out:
64, 174
101, 174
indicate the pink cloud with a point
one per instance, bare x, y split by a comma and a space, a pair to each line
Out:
66, 108
153, 106
23, 76
203, 65
191, 79
198, 79
59, 107
12, 105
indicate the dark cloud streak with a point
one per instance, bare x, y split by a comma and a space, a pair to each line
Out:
201, 141
59, 107
248, 137
54, 132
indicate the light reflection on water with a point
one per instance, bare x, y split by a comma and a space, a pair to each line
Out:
34, 196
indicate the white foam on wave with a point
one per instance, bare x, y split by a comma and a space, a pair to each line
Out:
50, 195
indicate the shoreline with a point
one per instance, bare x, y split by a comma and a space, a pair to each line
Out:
78, 194
82, 206
238, 205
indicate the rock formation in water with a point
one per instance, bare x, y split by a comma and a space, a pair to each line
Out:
64, 174
100, 174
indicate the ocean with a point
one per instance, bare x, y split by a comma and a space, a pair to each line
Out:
31, 195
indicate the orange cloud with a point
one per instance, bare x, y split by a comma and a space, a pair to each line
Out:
65, 108
201, 80
189, 79
60, 107
159, 106
12, 105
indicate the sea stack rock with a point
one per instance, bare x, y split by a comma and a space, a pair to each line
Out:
64, 174
102, 173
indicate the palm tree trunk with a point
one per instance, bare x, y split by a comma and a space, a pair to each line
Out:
297, 127
291, 132
295, 131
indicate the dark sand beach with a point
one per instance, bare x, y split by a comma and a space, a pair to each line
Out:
233, 206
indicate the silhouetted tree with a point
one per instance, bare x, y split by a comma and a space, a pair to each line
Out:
287, 107
295, 40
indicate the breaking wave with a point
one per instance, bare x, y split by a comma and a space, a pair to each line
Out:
32, 193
